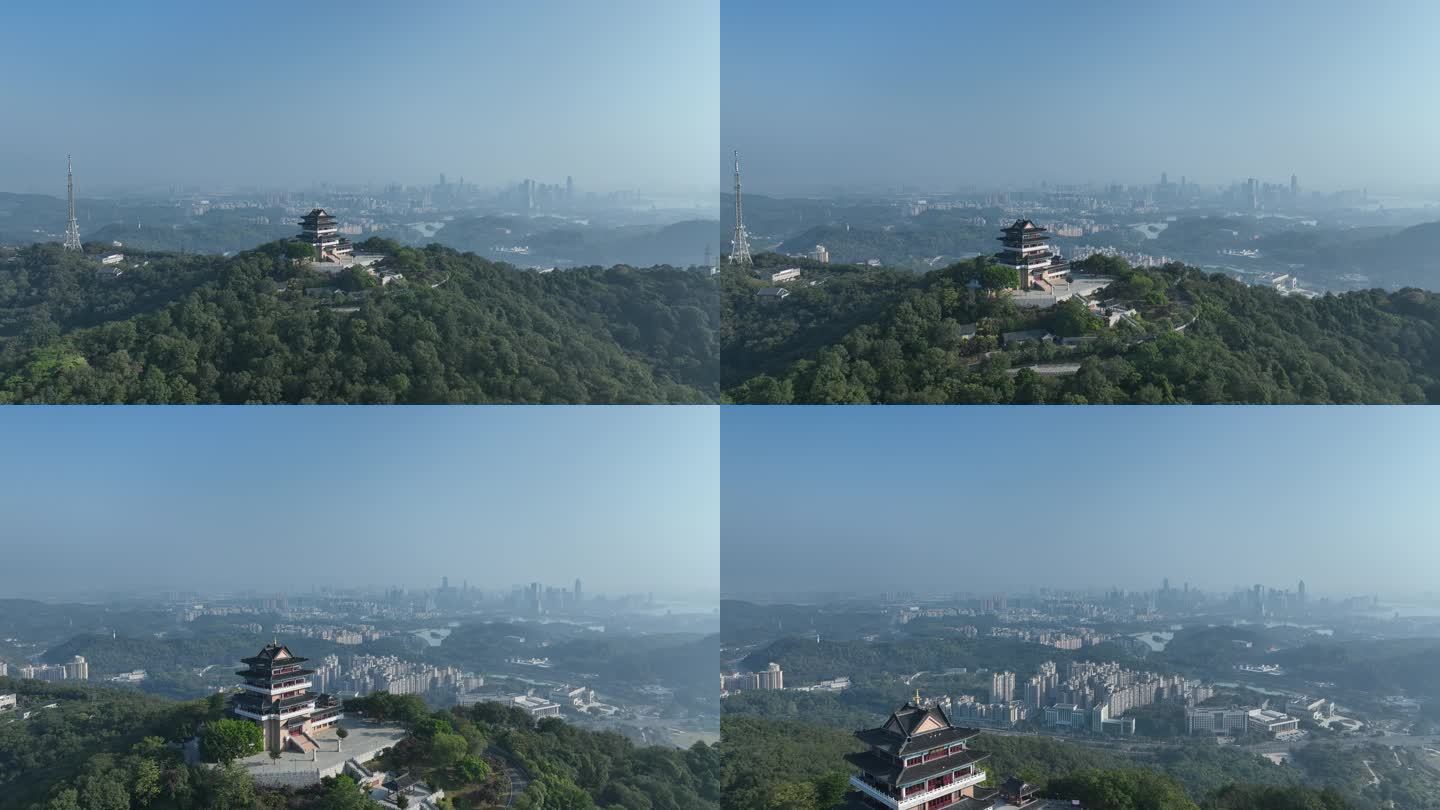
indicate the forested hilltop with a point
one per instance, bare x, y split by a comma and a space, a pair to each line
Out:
868, 335
72, 747
785, 764
262, 327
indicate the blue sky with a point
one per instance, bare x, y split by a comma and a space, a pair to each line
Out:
977, 499
931, 92
618, 94
113, 498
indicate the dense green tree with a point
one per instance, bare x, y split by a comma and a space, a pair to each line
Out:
226, 740
342, 793
472, 769
1130, 789
247, 329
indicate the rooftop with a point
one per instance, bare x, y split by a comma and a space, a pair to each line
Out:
273, 653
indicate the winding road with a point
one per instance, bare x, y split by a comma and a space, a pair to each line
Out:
519, 779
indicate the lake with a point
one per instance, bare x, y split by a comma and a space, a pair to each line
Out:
1155, 641
435, 636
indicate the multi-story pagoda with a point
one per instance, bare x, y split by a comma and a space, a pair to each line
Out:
919, 761
1024, 248
318, 229
277, 694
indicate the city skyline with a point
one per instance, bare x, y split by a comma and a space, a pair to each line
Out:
993, 500
212, 96
626, 499
1114, 93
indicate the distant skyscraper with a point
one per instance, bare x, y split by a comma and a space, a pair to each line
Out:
578, 592
1002, 687
821, 254
740, 242
442, 178
77, 669
569, 188
72, 228
444, 581
1301, 591
1294, 186
772, 677
1164, 180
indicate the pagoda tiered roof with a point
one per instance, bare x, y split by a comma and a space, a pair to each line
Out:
1023, 233
893, 773
1026, 227
273, 654
913, 728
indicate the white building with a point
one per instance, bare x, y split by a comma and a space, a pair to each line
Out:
537, 707
1228, 722
1269, 721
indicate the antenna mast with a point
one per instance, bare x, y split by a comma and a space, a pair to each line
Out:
740, 242
72, 230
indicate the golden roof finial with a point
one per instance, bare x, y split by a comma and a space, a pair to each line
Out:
917, 696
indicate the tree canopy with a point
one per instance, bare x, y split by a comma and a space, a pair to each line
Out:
869, 335
261, 327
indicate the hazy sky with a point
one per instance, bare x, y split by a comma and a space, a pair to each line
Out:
280, 498
978, 499
619, 94
938, 93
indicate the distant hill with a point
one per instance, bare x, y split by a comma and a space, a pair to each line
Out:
1410, 257
1378, 667
199, 238
681, 244
900, 246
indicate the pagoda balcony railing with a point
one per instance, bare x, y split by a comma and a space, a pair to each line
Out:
284, 686
916, 800
873, 792
262, 676
271, 711
282, 704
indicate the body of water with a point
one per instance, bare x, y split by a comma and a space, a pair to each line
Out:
434, 637
1155, 641
1151, 230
